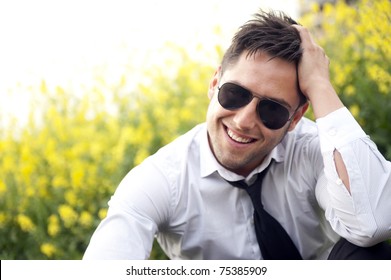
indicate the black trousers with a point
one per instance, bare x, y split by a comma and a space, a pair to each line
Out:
344, 250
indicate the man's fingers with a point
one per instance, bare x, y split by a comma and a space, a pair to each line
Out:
305, 35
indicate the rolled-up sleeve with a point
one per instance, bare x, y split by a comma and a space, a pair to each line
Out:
363, 215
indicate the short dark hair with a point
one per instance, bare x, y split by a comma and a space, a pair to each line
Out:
270, 32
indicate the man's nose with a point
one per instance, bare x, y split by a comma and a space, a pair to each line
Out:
247, 116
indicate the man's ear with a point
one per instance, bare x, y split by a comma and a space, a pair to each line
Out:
298, 115
214, 83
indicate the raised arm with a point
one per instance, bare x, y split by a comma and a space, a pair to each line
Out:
314, 81
357, 189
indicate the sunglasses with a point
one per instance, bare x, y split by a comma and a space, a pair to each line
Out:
272, 114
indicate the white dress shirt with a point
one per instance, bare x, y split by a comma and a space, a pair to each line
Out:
180, 196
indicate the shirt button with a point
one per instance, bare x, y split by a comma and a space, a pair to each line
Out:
339, 182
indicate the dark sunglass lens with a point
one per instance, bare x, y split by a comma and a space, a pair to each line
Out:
232, 96
272, 114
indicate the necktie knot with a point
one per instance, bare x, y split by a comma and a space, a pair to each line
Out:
254, 189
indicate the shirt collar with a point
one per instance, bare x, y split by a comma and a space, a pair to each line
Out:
210, 165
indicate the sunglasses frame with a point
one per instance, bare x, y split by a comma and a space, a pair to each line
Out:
261, 98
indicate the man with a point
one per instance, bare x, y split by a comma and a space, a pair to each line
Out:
322, 182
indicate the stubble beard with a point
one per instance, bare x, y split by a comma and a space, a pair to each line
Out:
240, 163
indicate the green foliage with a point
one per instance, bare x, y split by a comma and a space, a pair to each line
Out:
58, 172
356, 38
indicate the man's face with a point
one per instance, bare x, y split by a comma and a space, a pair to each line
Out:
238, 138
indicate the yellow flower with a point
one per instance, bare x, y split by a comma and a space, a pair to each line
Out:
53, 225
71, 198
77, 176
48, 249
29, 191
140, 156
25, 223
85, 219
355, 110
381, 77
59, 182
350, 90
8, 163
68, 215
102, 213
42, 183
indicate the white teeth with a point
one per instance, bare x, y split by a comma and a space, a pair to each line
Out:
238, 138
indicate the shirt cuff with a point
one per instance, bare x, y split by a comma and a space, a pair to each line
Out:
338, 129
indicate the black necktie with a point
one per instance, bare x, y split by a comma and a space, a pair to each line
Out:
273, 240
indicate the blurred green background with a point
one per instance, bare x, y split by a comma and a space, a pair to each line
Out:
59, 167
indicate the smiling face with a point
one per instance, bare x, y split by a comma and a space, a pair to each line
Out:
238, 138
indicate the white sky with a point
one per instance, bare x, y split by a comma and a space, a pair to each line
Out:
62, 41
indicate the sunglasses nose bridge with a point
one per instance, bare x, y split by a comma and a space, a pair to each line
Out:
247, 115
